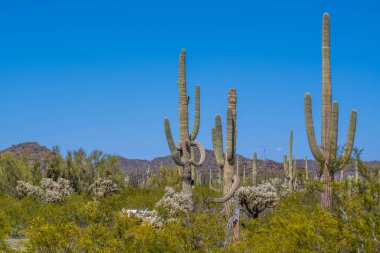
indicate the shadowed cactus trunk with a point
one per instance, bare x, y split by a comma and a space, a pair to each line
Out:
289, 166
226, 161
181, 154
254, 169
326, 155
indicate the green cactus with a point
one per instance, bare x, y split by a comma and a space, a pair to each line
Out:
254, 169
226, 162
289, 166
181, 154
326, 155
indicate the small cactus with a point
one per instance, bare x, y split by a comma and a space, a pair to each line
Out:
289, 166
254, 169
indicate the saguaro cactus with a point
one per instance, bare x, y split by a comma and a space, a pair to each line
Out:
181, 154
326, 155
254, 169
289, 166
226, 161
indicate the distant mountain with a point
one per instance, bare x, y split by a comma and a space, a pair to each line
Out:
33, 151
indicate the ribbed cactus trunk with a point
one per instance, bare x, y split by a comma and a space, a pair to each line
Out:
182, 153
229, 169
184, 125
326, 155
254, 169
289, 166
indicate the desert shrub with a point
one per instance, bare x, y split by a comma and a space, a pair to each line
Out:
297, 224
256, 199
102, 187
5, 227
25, 189
50, 191
175, 203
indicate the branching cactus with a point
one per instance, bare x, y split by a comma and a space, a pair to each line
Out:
254, 169
181, 153
289, 165
226, 161
326, 155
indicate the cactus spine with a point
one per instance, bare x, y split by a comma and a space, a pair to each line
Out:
254, 169
326, 155
289, 166
181, 154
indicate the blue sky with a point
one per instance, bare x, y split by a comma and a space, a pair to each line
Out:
102, 74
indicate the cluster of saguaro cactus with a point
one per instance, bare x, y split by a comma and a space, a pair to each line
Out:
289, 165
226, 161
254, 169
326, 155
182, 153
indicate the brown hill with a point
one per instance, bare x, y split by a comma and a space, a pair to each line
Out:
33, 151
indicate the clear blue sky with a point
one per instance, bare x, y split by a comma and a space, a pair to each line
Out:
102, 74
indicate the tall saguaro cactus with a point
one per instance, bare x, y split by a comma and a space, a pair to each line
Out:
181, 154
326, 155
289, 166
226, 161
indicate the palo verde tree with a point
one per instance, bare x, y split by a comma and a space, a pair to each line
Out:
181, 153
326, 155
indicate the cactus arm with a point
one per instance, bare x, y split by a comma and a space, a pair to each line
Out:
326, 86
334, 130
349, 139
194, 133
173, 148
230, 194
310, 129
230, 136
217, 141
202, 153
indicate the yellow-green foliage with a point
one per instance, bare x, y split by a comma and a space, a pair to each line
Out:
5, 227
293, 227
297, 224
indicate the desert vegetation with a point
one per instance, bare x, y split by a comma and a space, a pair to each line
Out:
79, 202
